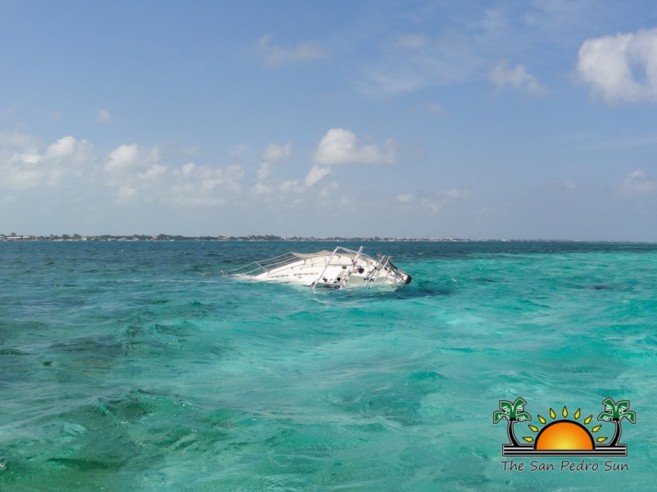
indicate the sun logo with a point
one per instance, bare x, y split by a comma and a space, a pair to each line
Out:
564, 436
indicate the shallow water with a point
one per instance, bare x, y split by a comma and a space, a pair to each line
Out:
136, 366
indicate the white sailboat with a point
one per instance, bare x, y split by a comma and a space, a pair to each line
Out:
335, 269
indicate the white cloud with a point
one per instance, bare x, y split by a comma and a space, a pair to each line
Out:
638, 183
27, 167
15, 140
126, 193
154, 172
340, 146
276, 152
518, 77
264, 171
138, 176
261, 189
20, 173
188, 169
62, 148
278, 55
291, 185
103, 116
405, 198
194, 184
316, 174
273, 153
132, 171
123, 158
621, 68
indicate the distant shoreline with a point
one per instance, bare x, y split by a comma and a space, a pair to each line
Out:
175, 237
269, 237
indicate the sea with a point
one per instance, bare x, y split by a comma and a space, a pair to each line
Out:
140, 366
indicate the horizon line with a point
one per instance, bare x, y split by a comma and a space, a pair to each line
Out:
274, 237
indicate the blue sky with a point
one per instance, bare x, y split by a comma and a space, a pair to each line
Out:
414, 118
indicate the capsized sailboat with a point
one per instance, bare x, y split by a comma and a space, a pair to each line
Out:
337, 269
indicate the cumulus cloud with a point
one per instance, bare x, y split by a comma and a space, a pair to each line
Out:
516, 77
15, 140
272, 154
131, 174
28, 167
153, 172
123, 158
621, 68
276, 152
62, 148
195, 184
261, 188
316, 174
638, 183
137, 175
131, 170
340, 146
405, 198
273, 55
264, 171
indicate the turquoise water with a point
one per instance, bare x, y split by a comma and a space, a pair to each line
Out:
135, 366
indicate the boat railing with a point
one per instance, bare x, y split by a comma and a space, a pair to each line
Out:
376, 271
328, 263
262, 266
316, 281
346, 276
265, 266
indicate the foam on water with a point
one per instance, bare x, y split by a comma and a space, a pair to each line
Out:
133, 366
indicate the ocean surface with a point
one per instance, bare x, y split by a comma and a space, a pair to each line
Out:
138, 366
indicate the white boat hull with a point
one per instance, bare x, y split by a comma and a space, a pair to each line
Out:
338, 269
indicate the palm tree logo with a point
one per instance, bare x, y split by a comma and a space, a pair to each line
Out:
512, 412
564, 435
616, 412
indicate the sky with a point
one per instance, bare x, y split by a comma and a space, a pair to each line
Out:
392, 118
